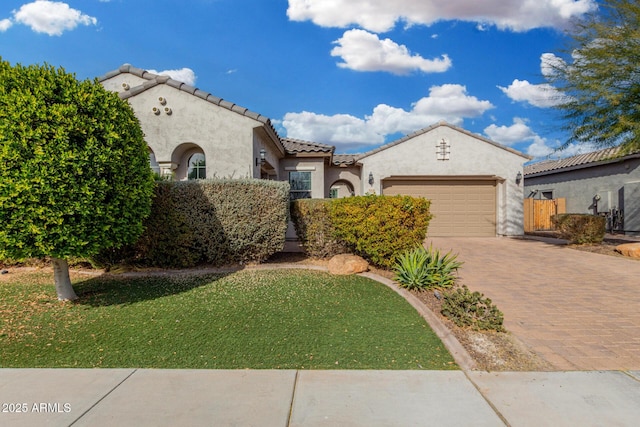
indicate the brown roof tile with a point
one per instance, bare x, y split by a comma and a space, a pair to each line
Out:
294, 146
576, 162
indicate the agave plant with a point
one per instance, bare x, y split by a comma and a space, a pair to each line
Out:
422, 268
442, 269
410, 269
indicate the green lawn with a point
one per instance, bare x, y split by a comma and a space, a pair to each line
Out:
279, 319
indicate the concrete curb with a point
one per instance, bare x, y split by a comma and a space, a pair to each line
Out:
460, 355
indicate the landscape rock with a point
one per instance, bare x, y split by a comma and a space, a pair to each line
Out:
347, 264
629, 249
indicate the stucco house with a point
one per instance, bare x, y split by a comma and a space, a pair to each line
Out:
474, 183
600, 182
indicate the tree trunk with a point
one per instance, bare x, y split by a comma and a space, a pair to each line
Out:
63, 281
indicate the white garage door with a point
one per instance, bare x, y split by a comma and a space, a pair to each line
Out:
460, 207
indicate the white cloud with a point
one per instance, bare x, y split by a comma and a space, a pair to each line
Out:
51, 17
520, 133
539, 149
382, 15
536, 146
541, 95
5, 24
363, 51
549, 62
510, 135
447, 102
184, 75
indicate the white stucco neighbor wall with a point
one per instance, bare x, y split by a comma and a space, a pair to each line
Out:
468, 156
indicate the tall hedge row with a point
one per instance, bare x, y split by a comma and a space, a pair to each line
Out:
315, 229
216, 222
379, 228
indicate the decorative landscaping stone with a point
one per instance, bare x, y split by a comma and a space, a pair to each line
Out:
629, 249
347, 264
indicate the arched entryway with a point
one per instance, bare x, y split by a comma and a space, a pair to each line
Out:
341, 188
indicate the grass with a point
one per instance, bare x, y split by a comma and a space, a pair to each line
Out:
280, 319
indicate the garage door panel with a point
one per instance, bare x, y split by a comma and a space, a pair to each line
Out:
459, 207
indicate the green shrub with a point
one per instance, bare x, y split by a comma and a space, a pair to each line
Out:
217, 222
314, 228
380, 228
580, 228
421, 269
466, 308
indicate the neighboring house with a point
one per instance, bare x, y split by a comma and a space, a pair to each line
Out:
474, 183
601, 182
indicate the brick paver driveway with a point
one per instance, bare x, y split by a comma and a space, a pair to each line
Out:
578, 310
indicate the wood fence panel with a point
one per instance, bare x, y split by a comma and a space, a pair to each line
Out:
543, 211
528, 215
538, 213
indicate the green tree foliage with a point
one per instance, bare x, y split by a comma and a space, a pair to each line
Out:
74, 171
599, 77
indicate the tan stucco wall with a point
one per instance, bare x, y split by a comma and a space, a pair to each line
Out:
468, 156
350, 174
228, 139
314, 165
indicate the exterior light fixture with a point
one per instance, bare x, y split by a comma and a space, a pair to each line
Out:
262, 160
370, 178
519, 177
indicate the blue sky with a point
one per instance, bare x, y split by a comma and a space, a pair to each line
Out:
351, 73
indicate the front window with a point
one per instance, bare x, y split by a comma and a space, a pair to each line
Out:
197, 167
300, 183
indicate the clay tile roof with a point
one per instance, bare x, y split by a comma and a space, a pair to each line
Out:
345, 159
576, 162
293, 146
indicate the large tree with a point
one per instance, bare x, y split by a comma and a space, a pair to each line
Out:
599, 77
74, 169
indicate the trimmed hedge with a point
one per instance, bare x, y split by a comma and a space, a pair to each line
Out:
216, 222
315, 230
378, 228
580, 228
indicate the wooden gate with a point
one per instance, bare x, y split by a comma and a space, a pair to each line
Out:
538, 213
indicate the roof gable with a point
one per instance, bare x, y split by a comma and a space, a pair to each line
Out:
152, 80
435, 126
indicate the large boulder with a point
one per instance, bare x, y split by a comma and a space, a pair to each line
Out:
347, 264
629, 249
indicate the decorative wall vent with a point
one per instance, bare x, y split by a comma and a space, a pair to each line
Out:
443, 150
163, 107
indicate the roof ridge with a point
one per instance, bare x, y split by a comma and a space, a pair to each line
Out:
579, 160
302, 141
155, 79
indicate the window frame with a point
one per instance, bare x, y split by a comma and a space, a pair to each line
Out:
295, 192
199, 169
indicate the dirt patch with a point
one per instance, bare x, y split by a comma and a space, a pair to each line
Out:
492, 351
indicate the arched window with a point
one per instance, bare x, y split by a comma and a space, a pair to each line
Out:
197, 167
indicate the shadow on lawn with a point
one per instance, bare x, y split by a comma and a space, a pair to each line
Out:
108, 290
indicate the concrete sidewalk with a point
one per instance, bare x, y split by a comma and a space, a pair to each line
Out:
143, 397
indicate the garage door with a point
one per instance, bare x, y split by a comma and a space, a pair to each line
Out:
460, 207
